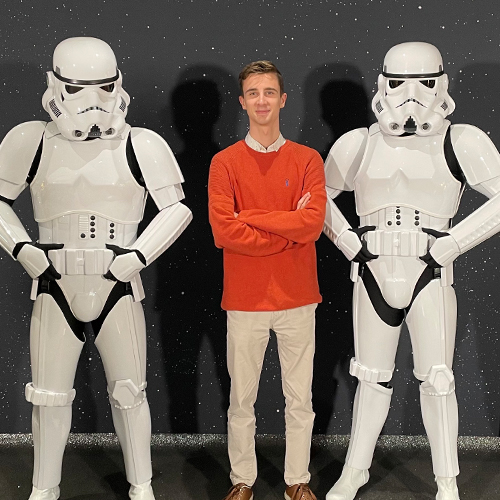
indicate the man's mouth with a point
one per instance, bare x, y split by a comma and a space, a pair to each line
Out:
92, 108
411, 100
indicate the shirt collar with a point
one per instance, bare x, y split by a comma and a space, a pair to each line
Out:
257, 146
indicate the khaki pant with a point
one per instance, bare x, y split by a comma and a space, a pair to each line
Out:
247, 338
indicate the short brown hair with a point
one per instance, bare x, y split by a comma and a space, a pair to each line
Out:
260, 67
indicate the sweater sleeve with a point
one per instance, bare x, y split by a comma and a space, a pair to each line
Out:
300, 226
230, 232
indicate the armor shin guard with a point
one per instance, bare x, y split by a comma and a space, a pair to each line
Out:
51, 426
133, 428
440, 416
371, 406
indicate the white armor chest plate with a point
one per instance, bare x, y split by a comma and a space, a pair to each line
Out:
406, 171
91, 177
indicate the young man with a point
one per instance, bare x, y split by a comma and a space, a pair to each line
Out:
267, 206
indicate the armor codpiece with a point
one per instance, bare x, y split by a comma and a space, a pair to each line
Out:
408, 172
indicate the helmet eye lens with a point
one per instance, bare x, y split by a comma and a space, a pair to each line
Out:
395, 83
73, 89
108, 88
428, 83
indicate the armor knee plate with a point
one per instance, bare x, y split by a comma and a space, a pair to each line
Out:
125, 395
39, 397
361, 372
438, 382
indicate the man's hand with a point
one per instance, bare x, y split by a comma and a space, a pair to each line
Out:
304, 201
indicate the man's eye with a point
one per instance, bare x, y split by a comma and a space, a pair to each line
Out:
395, 83
428, 83
108, 88
73, 89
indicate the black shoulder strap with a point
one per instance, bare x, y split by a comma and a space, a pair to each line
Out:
133, 164
452, 160
35, 163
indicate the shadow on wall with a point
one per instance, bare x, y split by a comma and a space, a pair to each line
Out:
335, 102
204, 105
476, 273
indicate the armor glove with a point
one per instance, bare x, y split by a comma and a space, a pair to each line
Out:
350, 240
126, 264
443, 251
33, 257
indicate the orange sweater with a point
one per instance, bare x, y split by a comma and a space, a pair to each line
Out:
269, 250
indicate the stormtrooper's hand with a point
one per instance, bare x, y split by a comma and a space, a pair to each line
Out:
126, 264
353, 247
443, 251
33, 257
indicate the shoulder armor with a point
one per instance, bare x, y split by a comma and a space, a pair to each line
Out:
344, 159
374, 128
477, 155
18, 150
158, 165
51, 130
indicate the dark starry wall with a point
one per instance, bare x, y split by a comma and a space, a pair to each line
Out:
180, 60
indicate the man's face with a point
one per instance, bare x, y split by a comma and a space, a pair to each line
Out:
261, 99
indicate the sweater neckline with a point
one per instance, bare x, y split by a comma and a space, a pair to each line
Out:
273, 153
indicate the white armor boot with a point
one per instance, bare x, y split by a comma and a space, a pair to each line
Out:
47, 494
447, 488
348, 484
89, 175
408, 172
142, 491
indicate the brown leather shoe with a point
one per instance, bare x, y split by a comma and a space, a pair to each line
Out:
299, 491
239, 491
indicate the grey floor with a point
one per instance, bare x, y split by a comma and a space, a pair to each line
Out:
196, 467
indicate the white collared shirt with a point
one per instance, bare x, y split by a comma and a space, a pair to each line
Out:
257, 146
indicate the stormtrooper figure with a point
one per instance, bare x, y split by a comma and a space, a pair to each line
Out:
89, 174
408, 172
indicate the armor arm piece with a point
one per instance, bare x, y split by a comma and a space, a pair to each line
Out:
480, 162
18, 151
229, 232
341, 167
12, 231
476, 154
474, 229
159, 168
336, 228
302, 225
344, 159
163, 230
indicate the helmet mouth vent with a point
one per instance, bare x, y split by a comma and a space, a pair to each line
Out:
410, 126
95, 131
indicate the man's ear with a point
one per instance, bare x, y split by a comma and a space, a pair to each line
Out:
242, 102
283, 100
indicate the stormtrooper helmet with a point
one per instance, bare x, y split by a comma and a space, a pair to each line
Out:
412, 95
85, 98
